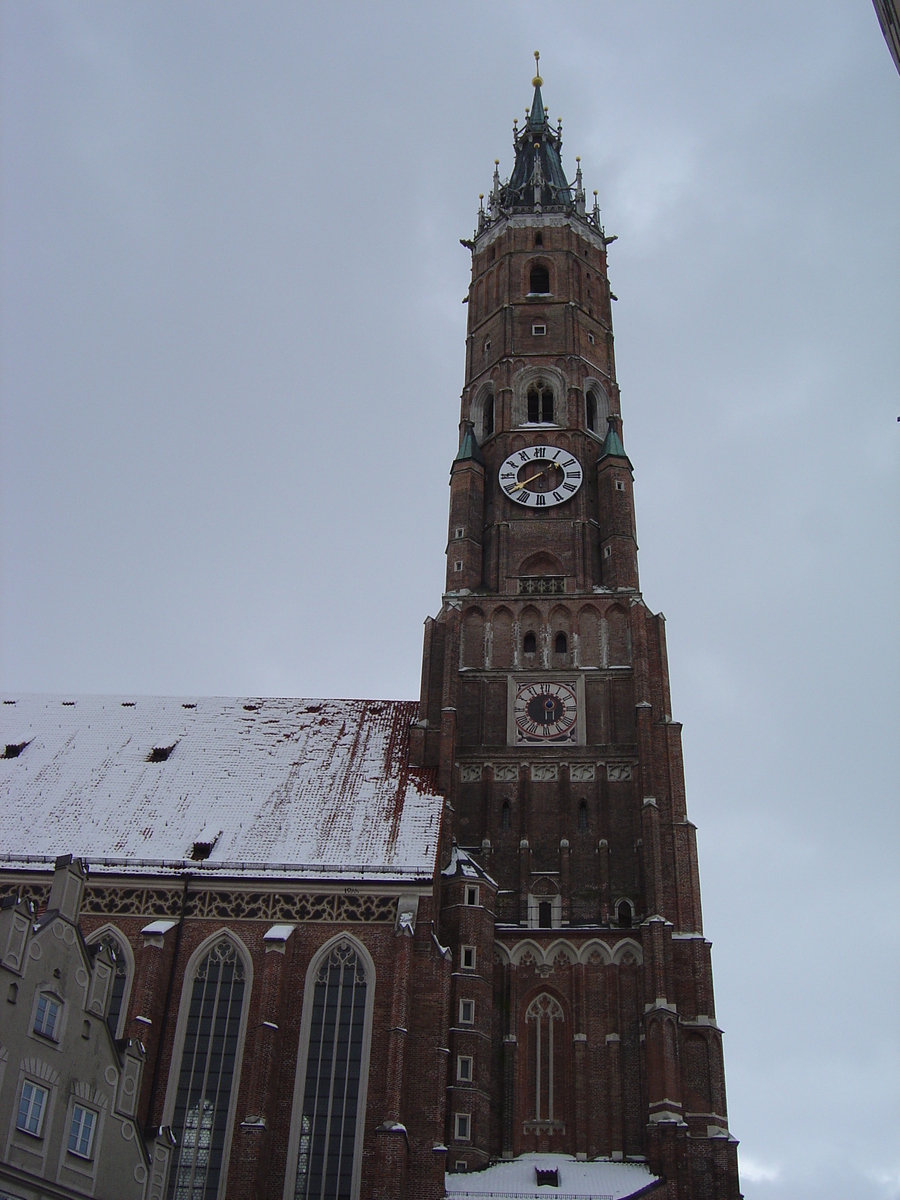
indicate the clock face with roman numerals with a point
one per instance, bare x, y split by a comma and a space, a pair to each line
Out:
541, 476
545, 713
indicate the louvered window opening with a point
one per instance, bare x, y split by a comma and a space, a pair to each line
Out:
206, 1075
331, 1090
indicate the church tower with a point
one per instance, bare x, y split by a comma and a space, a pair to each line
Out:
581, 1008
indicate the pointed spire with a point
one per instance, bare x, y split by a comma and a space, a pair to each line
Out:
612, 444
537, 182
469, 450
537, 117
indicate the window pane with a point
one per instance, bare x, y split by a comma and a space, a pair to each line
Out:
205, 1076
331, 1088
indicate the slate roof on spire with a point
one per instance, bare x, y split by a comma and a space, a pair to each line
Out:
538, 140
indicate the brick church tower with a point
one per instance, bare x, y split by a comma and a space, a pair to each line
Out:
582, 1014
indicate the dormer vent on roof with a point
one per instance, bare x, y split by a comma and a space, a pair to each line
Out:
161, 753
205, 844
14, 749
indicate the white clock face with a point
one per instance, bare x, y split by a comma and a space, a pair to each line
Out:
541, 476
545, 712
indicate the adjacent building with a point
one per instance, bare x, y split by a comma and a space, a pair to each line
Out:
68, 1088
448, 947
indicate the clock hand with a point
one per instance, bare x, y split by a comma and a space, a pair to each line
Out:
531, 480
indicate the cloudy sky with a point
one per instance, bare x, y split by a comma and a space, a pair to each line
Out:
232, 350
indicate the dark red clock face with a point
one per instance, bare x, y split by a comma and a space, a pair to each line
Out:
545, 708
545, 712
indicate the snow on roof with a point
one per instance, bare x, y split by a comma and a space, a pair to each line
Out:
308, 787
603, 1180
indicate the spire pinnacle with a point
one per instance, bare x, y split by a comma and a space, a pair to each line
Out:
537, 81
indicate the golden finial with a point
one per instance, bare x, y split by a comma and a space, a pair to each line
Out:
537, 81
496, 162
578, 158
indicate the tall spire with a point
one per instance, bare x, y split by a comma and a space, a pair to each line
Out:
538, 182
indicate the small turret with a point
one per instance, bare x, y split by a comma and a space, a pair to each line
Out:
615, 507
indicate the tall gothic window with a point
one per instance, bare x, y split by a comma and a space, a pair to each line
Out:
488, 416
331, 1115
115, 1015
591, 412
543, 1021
206, 1074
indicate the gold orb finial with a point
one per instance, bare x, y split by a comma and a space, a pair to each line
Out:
537, 81
578, 158
496, 162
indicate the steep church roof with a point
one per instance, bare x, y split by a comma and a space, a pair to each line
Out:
312, 788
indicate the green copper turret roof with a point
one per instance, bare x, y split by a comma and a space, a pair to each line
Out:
612, 445
469, 449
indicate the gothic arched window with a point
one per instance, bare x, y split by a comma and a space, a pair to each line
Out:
540, 404
504, 815
539, 280
560, 644
546, 1046
209, 1059
591, 412
331, 1103
529, 644
624, 914
582, 816
115, 1015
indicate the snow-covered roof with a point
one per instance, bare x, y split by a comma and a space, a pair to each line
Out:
310, 788
600, 1180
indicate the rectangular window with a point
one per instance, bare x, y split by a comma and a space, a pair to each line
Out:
32, 1106
538, 330
620, 486
471, 896
464, 1068
460, 531
591, 338
467, 958
457, 566
487, 345
81, 1132
463, 1127
467, 1012
47, 1016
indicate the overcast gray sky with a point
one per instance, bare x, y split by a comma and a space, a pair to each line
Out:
230, 265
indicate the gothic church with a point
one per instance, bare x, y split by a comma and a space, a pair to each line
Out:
403, 951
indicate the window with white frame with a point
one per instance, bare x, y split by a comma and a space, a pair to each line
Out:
32, 1106
467, 958
81, 1131
462, 1131
471, 895
46, 1016
464, 1068
467, 1012
206, 1073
